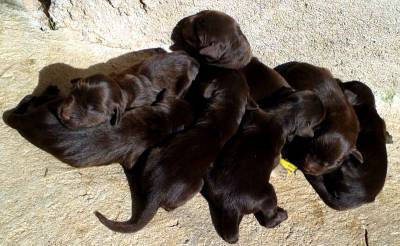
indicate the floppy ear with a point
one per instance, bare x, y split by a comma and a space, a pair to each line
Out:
116, 117
306, 132
182, 85
212, 52
119, 109
356, 154
351, 97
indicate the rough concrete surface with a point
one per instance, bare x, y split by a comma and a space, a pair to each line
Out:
45, 202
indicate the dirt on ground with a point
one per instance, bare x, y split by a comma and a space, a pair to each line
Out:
46, 202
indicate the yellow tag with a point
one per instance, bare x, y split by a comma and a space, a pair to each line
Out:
288, 166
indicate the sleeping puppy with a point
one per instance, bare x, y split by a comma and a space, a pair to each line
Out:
263, 81
356, 183
173, 172
213, 38
237, 183
171, 72
335, 140
36, 119
101, 98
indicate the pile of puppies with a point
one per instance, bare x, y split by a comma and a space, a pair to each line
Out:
210, 118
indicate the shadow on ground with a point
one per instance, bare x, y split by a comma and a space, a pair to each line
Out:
60, 74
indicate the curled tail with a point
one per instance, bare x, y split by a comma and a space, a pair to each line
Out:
137, 222
143, 209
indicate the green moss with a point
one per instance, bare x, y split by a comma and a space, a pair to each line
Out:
388, 95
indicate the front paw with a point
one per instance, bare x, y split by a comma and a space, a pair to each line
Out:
280, 216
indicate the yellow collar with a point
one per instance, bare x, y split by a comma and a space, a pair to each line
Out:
291, 168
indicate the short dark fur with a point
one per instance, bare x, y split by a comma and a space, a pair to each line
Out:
237, 183
173, 173
263, 81
35, 118
355, 183
336, 138
172, 72
213, 38
101, 98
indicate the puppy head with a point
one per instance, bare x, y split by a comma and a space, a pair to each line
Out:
329, 145
214, 38
309, 112
92, 101
327, 152
357, 93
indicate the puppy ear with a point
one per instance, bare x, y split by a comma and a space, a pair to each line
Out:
356, 154
212, 52
251, 104
183, 84
351, 97
306, 132
116, 118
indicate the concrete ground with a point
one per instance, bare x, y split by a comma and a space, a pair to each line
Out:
45, 202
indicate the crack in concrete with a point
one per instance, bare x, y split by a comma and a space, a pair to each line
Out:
144, 5
366, 237
109, 2
46, 6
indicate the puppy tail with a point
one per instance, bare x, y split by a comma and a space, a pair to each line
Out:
141, 218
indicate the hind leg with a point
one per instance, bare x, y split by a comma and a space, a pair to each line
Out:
270, 215
180, 193
226, 223
137, 197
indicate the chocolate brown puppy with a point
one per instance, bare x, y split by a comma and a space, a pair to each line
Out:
263, 81
335, 140
237, 183
173, 172
213, 38
356, 183
171, 72
101, 98
36, 119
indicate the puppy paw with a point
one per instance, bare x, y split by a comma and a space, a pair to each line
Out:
281, 215
233, 238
